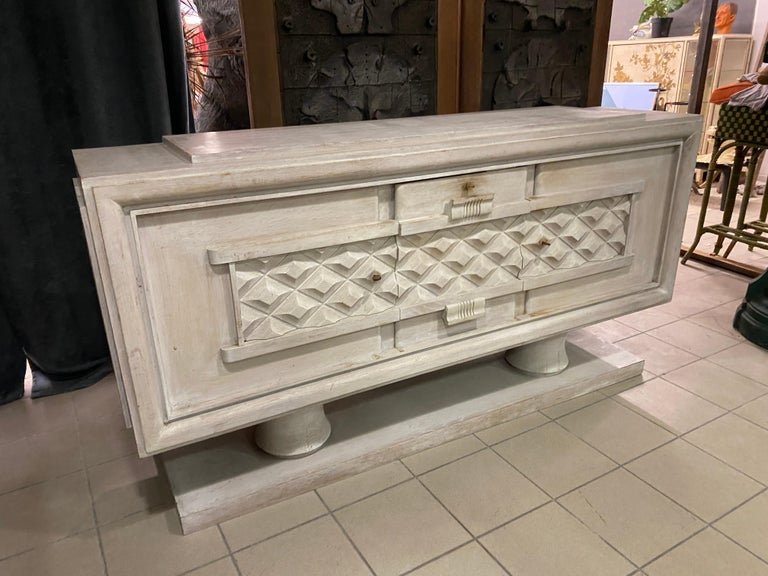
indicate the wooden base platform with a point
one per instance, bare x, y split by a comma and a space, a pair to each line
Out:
225, 477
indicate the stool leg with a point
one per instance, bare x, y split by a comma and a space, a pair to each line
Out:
748, 183
730, 202
704, 203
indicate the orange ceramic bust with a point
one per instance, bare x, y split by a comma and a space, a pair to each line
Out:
726, 14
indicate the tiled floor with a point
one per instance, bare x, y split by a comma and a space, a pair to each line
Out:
666, 478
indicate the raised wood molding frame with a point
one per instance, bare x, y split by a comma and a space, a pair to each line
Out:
471, 56
262, 68
597, 64
448, 55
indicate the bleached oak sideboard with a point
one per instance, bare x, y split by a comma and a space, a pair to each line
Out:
250, 277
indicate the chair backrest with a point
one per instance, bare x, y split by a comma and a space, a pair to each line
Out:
630, 95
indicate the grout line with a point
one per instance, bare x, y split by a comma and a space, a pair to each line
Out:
367, 496
351, 542
219, 559
229, 549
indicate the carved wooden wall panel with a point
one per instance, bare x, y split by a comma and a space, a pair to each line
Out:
346, 60
537, 52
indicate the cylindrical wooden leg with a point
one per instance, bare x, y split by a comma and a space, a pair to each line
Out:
543, 357
294, 435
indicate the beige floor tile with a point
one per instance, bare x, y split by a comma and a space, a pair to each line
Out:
44, 513
691, 271
694, 479
223, 567
756, 411
563, 408
689, 299
716, 384
745, 359
362, 485
612, 331
98, 401
483, 491
551, 542
556, 460
693, 338
748, 525
125, 486
707, 554
631, 516
469, 560
721, 285
77, 555
674, 408
105, 439
660, 357
27, 417
37, 458
719, 319
318, 548
401, 528
443, 454
647, 319
261, 524
737, 442
152, 543
507, 430
616, 431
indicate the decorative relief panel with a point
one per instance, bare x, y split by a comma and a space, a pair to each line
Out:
536, 52
313, 288
346, 60
325, 286
464, 259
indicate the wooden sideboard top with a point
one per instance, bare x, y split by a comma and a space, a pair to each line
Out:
207, 151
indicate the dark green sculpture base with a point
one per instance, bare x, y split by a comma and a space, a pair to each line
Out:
751, 319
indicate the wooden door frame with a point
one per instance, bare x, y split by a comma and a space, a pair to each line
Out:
262, 64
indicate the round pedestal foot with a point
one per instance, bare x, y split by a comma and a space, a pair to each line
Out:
294, 435
544, 357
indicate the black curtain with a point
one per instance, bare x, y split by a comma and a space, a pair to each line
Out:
73, 74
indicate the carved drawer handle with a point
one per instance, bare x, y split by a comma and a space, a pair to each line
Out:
471, 207
464, 311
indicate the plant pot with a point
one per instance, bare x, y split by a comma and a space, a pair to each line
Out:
660, 27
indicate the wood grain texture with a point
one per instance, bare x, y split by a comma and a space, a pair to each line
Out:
448, 39
599, 51
471, 71
257, 18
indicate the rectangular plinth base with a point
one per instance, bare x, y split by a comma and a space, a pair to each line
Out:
225, 477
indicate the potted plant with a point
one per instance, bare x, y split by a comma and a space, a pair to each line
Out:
657, 11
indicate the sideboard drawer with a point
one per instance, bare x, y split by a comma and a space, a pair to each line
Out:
600, 176
444, 202
435, 328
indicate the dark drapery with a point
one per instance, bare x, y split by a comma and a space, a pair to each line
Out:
73, 74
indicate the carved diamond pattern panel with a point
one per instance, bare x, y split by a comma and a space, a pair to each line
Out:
313, 288
486, 255
453, 261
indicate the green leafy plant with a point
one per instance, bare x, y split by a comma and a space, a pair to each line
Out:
659, 9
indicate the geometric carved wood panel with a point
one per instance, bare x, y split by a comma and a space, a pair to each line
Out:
324, 286
453, 261
313, 288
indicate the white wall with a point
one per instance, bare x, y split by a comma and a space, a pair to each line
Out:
758, 31
623, 16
